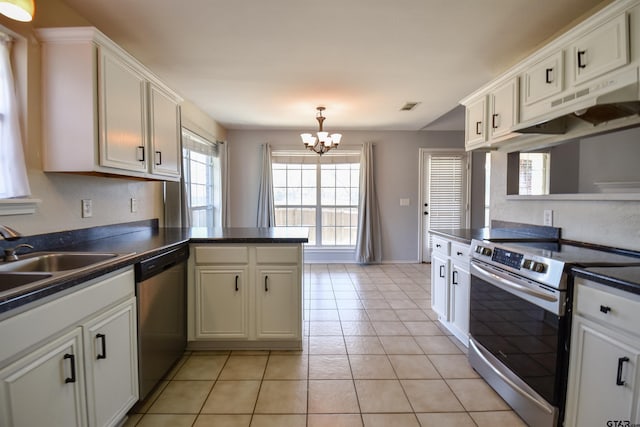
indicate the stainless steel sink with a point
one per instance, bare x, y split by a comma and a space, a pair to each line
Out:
10, 281
52, 262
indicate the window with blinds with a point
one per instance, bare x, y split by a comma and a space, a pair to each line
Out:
447, 191
203, 180
319, 192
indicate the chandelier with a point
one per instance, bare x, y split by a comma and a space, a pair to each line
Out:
323, 142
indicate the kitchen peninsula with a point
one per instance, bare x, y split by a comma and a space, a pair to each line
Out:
245, 288
272, 257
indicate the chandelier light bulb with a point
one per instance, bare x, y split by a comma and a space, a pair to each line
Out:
19, 10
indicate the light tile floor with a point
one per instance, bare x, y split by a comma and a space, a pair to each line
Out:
373, 356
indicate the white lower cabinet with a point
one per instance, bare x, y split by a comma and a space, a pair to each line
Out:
604, 374
221, 302
440, 285
245, 296
450, 285
72, 361
277, 302
111, 364
46, 387
459, 308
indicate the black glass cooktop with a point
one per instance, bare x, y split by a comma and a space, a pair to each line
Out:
573, 254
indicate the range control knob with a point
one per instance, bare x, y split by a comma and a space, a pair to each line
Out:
483, 250
538, 267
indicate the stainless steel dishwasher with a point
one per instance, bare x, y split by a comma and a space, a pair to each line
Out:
161, 300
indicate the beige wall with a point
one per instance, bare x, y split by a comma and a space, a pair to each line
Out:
61, 194
396, 174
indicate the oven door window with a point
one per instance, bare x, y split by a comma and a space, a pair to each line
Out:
522, 335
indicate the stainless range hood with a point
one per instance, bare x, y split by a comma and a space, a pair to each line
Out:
601, 101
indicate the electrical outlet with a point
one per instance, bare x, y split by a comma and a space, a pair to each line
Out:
134, 205
548, 217
87, 208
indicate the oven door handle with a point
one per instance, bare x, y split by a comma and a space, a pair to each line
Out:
538, 402
494, 277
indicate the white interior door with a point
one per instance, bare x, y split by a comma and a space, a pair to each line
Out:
445, 186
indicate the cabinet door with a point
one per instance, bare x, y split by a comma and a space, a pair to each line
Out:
459, 311
221, 302
503, 109
599, 359
278, 302
603, 49
46, 387
164, 116
543, 79
476, 123
440, 285
122, 114
112, 364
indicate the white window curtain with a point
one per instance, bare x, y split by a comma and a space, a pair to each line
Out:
224, 163
368, 244
266, 210
13, 170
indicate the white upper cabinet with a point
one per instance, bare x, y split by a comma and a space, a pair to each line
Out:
103, 111
164, 125
122, 114
603, 49
491, 116
475, 129
543, 79
596, 57
503, 109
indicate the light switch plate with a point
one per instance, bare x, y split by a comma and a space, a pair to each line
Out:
134, 205
548, 217
405, 202
87, 208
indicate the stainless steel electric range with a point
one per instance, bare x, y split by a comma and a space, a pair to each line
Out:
520, 302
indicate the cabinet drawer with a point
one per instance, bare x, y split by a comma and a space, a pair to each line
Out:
277, 255
460, 251
618, 309
440, 245
221, 255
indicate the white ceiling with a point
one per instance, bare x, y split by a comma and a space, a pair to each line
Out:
259, 64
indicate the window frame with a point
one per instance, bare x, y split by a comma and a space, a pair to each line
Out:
213, 187
348, 157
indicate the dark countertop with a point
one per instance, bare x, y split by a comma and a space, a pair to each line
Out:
138, 243
249, 235
462, 235
466, 235
623, 278
502, 231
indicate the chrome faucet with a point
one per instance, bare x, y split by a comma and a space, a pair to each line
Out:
10, 254
8, 233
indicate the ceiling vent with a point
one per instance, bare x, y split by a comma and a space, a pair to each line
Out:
409, 106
